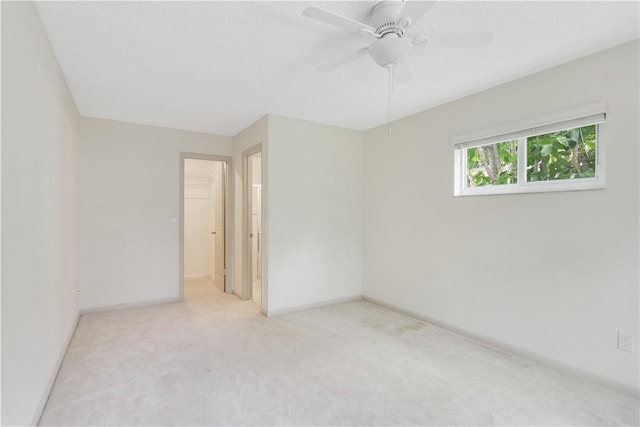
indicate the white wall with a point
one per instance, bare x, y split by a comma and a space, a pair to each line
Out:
129, 197
39, 215
314, 213
559, 271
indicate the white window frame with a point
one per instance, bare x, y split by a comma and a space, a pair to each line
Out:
568, 119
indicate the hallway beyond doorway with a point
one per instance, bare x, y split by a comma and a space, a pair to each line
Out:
204, 217
253, 282
256, 292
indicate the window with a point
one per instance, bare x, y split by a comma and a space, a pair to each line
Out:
566, 154
562, 156
492, 164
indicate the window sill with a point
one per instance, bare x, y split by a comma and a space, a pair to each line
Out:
534, 187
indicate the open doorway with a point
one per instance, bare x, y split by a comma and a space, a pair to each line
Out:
255, 233
204, 227
253, 216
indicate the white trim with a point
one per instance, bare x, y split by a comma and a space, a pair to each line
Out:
578, 184
522, 160
533, 131
247, 290
287, 310
575, 117
264, 194
505, 347
54, 374
129, 305
229, 219
522, 186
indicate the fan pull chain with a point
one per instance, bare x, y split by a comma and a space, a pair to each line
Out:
390, 68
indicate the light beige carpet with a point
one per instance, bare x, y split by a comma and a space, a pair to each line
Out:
214, 360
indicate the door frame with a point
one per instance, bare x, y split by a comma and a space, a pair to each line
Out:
228, 218
246, 226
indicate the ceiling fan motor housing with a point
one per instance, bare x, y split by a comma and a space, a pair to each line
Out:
391, 48
384, 15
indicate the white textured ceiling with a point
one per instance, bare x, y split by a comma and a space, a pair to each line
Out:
216, 67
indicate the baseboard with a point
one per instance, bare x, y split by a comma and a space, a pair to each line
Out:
503, 346
287, 310
54, 374
131, 305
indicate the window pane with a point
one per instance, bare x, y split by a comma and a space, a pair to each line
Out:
495, 164
567, 154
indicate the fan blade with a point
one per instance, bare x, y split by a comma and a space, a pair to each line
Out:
343, 59
412, 12
335, 19
468, 39
404, 72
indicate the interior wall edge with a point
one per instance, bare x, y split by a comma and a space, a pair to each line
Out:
54, 373
40, 196
317, 216
506, 347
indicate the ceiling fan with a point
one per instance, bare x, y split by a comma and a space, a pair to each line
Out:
392, 47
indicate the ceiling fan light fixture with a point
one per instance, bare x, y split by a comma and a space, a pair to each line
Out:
391, 50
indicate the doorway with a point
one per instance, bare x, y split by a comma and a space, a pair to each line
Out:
253, 217
255, 233
204, 228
